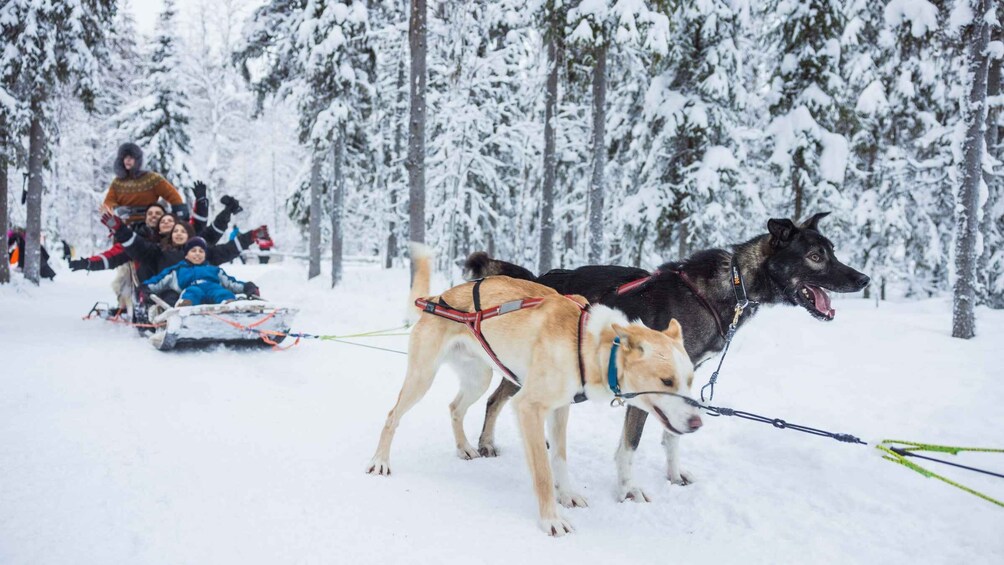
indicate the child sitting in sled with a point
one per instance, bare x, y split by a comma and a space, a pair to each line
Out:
197, 281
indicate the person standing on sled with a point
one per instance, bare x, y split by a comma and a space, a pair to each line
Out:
197, 281
134, 189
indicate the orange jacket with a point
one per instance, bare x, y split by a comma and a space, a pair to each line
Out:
142, 191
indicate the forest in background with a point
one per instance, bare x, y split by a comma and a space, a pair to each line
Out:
556, 133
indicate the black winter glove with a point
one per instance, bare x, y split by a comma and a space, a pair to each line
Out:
251, 289
80, 265
245, 239
231, 204
199, 190
123, 233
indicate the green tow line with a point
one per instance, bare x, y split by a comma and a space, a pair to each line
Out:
897, 451
375, 333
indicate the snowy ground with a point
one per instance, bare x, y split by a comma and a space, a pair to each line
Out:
112, 452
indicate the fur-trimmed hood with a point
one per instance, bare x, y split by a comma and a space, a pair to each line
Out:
132, 150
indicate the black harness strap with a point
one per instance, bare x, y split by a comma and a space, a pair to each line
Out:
583, 318
477, 294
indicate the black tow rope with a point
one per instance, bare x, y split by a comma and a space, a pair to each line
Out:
723, 411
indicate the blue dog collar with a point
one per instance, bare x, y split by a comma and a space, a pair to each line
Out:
612, 367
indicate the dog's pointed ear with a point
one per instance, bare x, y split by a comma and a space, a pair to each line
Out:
813, 222
781, 231
674, 331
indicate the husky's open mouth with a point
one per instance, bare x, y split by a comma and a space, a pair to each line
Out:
816, 301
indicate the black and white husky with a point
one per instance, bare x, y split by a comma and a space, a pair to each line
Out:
788, 265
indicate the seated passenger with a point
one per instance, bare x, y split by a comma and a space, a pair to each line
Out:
116, 255
158, 224
197, 281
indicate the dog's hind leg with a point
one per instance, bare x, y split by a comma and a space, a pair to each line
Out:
634, 424
558, 432
496, 402
677, 476
531, 422
423, 361
475, 376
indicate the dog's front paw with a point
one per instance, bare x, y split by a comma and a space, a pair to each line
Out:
571, 500
683, 478
488, 450
378, 467
467, 452
555, 527
634, 494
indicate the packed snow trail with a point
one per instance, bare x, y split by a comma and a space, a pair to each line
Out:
113, 452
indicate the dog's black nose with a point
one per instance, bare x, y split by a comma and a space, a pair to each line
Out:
862, 280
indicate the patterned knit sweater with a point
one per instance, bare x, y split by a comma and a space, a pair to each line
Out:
141, 191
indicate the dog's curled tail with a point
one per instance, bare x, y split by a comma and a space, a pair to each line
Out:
421, 275
480, 265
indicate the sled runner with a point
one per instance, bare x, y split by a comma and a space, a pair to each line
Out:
242, 321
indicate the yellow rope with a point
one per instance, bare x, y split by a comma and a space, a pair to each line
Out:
887, 446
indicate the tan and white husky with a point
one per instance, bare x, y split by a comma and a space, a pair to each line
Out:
541, 345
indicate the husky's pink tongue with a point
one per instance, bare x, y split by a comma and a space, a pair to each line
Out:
821, 301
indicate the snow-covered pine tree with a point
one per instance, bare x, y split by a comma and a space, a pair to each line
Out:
220, 103
881, 43
48, 45
390, 111
808, 154
482, 129
919, 80
9, 107
553, 14
99, 134
990, 268
418, 82
339, 64
317, 55
688, 182
975, 17
159, 119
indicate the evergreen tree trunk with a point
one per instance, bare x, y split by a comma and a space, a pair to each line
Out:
314, 229
337, 201
967, 209
682, 244
388, 160
550, 159
985, 271
796, 185
416, 125
33, 209
596, 188
4, 252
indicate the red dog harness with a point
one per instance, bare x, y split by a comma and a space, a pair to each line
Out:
474, 319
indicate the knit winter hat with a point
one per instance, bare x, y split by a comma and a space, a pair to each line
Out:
195, 242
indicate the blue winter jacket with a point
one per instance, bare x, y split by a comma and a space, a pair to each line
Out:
182, 275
